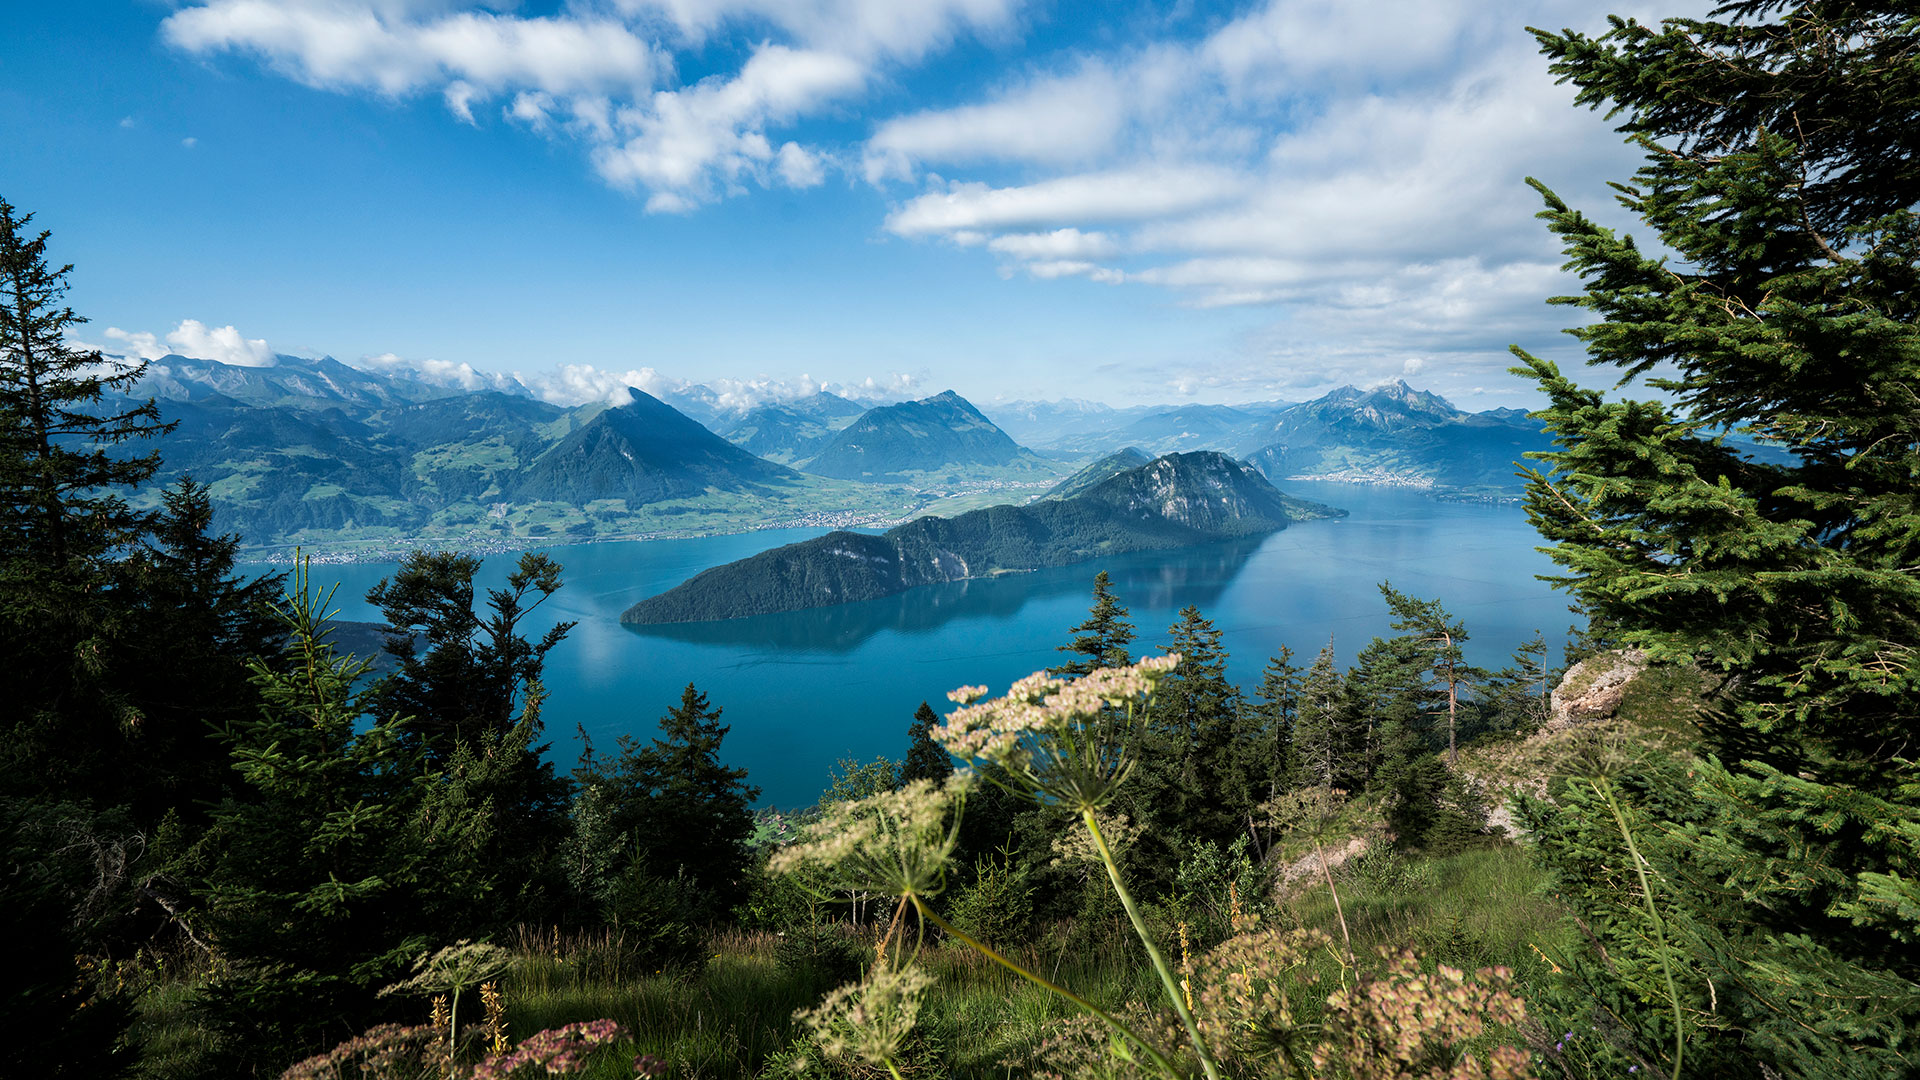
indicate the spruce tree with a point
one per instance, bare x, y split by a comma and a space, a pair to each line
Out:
194, 627
926, 759
65, 525
1188, 758
342, 856
472, 703
676, 811
1101, 641
1268, 727
1320, 731
1781, 175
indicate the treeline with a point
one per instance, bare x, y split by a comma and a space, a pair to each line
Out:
197, 781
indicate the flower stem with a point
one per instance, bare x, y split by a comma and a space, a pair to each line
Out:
1153, 952
1111, 1021
1659, 927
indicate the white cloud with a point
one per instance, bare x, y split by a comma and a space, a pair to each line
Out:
193, 338
893, 386
703, 141
224, 343
395, 49
1413, 366
577, 384
189, 142
800, 167
603, 72
434, 372
1120, 195
1052, 120
1058, 244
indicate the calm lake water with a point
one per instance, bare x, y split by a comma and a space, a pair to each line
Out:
805, 689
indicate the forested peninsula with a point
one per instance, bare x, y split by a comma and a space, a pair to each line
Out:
1178, 500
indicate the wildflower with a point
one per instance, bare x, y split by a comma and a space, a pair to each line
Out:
553, 1051
648, 1065
870, 1019
896, 842
496, 1023
1059, 740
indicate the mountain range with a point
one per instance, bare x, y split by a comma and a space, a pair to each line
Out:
1177, 500
316, 451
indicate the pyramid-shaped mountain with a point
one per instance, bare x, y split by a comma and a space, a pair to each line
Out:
643, 452
934, 433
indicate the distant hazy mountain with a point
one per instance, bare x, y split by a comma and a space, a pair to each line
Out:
794, 431
642, 452
1112, 465
1174, 501
1396, 434
931, 434
295, 382
1077, 427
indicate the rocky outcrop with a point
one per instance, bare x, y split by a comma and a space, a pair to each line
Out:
1593, 688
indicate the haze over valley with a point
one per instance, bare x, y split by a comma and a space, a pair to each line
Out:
346, 461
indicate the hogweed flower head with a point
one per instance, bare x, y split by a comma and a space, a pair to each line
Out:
456, 967
869, 1019
1060, 741
896, 843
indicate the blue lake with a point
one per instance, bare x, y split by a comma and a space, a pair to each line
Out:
805, 689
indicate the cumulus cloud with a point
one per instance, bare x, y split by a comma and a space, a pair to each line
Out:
578, 384
451, 373
604, 73
690, 145
1355, 169
195, 339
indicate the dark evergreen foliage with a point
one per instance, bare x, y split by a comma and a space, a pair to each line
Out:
65, 528
342, 857
671, 811
1781, 171
1102, 640
926, 759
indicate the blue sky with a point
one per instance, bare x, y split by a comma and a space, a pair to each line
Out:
1172, 201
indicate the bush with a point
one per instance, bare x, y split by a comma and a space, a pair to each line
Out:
997, 906
649, 913
831, 954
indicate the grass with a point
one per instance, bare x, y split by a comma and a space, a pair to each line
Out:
733, 1015
1480, 908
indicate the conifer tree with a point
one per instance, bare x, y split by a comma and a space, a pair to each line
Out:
338, 861
64, 526
1439, 635
1187, 758
472, 708
476, 668
1319, 736
184, 666
1781, 172
678, 813
926, 759
1269, 726
1100, 641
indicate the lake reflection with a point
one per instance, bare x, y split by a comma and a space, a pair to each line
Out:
1155, 579
804, 689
